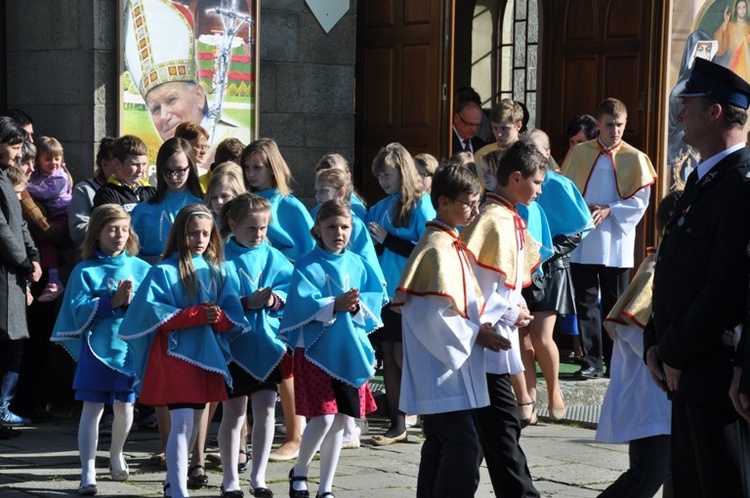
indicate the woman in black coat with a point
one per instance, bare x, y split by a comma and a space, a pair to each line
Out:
19, 263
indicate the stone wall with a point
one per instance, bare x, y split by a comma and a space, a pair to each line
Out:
306, 86
62, 69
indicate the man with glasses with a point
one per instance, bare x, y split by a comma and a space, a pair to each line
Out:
467, 119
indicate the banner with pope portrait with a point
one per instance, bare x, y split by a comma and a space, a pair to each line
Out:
189, 60
718, 30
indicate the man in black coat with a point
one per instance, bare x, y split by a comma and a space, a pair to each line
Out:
467, 120
700, 285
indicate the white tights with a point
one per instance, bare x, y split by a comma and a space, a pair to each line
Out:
323, 432
181, 439
88, 437
263, 406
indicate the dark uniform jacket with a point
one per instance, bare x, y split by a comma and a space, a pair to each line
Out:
701, 281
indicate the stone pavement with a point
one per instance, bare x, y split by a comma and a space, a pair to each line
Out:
564, 459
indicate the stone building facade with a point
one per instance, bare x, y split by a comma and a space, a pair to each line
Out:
61, 66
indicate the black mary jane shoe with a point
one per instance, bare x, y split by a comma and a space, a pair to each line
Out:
231, 494
294, 493
197, 481
327, 493
261, 492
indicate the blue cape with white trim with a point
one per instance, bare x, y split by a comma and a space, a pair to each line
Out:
249, 268
161, 296
340, 347
78, 325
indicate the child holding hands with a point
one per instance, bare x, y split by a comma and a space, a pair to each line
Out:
179, 327
261, 275
98, 294
334, 302
443, 375
503, 256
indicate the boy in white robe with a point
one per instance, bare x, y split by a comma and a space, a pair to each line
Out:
615, 179
504, 255
443, 375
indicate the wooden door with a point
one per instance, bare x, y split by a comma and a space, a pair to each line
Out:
604, 48
402, 89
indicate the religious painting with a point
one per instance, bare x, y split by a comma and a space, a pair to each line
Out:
717, 30
189, 60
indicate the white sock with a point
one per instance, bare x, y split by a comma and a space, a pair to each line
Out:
178, 447
313, 436
350, 429
120, 429
330, 450
264, 406
232, 418
88, 439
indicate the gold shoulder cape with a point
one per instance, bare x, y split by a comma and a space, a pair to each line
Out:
491, 240
633, 168
434, 268
634, 306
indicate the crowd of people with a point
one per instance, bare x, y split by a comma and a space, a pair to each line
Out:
211, 285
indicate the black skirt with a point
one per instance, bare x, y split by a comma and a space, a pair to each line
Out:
558, 293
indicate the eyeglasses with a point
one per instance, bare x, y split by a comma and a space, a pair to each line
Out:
201, 147
471, 205
176, 172
466, 123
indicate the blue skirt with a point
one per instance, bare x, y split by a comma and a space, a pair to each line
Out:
94, 381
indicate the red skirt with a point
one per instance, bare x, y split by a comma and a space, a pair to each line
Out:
317, 393
169, 380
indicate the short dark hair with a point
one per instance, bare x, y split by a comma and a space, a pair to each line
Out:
128, 145
229, 149
465, 94
611, 106
734, 116
106, 146
582, 123
523, 156
451, 181
10, 132
21, 118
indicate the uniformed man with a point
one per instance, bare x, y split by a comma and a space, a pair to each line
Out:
700, 285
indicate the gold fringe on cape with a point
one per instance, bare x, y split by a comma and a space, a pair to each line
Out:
491, 240
634, 306
633, 168
435, 268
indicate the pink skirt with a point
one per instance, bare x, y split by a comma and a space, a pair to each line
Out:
317, 393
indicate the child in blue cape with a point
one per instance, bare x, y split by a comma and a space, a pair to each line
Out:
337, 161
262, 276
335, 183
396, 223
268, 175
178, 185
334, 301
178, 327
98, 293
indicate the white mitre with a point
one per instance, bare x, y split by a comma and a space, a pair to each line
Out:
159, 43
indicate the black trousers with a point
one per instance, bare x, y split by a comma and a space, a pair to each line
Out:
710, 452
588, 282
499, 431
450, 458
